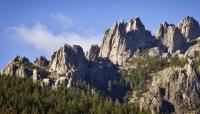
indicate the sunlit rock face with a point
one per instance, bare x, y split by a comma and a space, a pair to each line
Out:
193, 51
169, 90
19, 66
173, 90
170, 36
41, 62
189, 27
69, 61
123, 39
35, 75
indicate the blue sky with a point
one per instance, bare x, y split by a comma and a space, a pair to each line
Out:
38, 27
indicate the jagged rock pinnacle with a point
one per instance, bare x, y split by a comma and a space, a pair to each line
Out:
120, 45
189, 27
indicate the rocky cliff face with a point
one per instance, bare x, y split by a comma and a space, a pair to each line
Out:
22, 67
194, 50
19, 66
189, 27
41, 62
123, 39
172, 90
93, 53
170, 36
69, 61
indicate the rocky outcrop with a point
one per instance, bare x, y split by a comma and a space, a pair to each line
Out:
170, 36
189, 27
22, 67
35, 75
19, 66
69, 84
193, 51
41, 62
69, 61
154, 52
123, 39
173, 89
45, 82
61, 81
93, 53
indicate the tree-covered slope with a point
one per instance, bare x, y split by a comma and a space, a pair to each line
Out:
22, 96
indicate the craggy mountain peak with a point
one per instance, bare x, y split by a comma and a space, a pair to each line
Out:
123, 27
135, 24
19, 66
123, 39
69, 61
93, 53
170, 36
169, 77
189, 27
41, 61
20, 59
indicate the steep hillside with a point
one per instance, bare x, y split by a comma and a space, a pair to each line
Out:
158, 73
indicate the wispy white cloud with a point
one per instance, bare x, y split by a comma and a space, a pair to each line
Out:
66, 21
42, 38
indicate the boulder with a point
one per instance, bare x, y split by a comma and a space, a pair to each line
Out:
60, 81
45, 82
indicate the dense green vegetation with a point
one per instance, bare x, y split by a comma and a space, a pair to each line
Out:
22, 96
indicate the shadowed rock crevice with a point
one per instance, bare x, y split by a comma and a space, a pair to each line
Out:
162, 92
106, 77
166, 107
